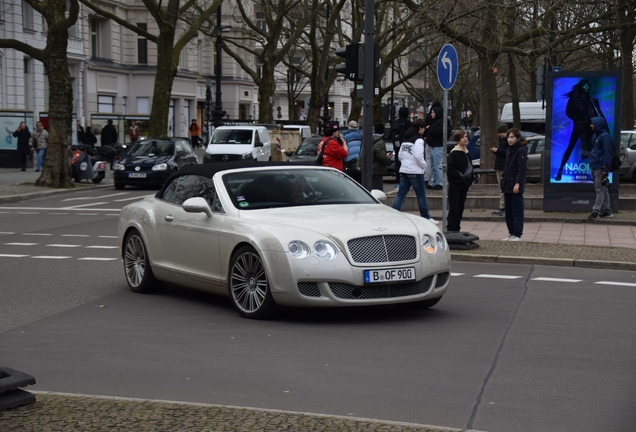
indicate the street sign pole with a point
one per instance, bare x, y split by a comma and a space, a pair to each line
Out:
367, 101
447, 65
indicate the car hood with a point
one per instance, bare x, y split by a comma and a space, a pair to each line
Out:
144, 161
341, 221
236, 149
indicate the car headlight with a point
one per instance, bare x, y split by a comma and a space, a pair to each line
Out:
118, 167
160, 167
325, 250
298, 249
441, 241
428, 244
247, 156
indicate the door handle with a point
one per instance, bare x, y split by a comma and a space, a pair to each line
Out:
169, 218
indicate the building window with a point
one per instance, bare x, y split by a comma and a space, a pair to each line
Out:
27, 84
259, 66
345, 110
143, 105
106, 104
142, 45
27, 16
260, 21
73, 31
94, 26
183, 58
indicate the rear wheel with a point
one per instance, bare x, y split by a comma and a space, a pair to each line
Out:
248, 285
139, 275
419, 305
100, 176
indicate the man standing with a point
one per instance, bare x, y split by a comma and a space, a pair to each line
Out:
398, 128
109, 134
435, 139
353, 138
194, 132
133, 132
500, 159
40, 139
600, 163
24, 137
335, 148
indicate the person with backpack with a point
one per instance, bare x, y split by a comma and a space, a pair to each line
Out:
600, 165
353, 138
398, 128
332, 149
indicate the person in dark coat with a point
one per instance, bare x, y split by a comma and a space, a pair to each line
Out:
24, 137
460, 178
89, 138
500, 158
513, 183
398, 128
109, 134
435, 139
600, 165
80, 132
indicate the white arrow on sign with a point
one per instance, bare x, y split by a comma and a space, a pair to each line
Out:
448, 64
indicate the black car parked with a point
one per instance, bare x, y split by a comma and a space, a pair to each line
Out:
151, 161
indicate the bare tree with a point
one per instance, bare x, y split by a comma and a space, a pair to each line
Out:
169, 43
56, 172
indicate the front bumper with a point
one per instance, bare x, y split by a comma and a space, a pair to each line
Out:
152, 177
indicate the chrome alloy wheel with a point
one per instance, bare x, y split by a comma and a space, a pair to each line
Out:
135, 260
248, 282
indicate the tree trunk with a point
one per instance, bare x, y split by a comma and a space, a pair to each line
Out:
265, 94
166, 71
56, 172
627, 36
488, 109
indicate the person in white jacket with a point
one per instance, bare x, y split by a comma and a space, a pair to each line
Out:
412, 168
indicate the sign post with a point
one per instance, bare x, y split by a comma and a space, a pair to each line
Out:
447, 65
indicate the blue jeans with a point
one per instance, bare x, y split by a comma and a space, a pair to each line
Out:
417, 181
514, 213
40, 159
436, 166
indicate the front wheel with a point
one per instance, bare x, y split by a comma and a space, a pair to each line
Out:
139, 275
248, 285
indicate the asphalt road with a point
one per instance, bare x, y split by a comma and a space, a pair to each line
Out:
509, 348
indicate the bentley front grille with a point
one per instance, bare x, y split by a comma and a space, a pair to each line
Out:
381, 291
309, 289
383, 248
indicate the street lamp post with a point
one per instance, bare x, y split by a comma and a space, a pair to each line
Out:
218, 113
208, 108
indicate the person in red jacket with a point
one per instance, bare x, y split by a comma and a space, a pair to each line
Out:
336, 149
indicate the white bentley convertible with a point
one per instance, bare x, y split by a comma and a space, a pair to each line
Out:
281, 234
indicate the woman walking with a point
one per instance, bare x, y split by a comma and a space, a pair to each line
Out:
513, 183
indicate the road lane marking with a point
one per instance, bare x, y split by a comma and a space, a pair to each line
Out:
549, 279
12, 256
6, 233
20, 244
57, 214
616, 283
28, 213
96, 259
102, 247
97, 197
112, 214
75, 235
51, 257
87, 214
64, 245
76, 207
140, 197
493, 276
37, 234
108, 237
458, 274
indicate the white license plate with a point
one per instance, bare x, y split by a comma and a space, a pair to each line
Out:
137, 175
389, 275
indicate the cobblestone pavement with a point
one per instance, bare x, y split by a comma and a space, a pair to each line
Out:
61, 412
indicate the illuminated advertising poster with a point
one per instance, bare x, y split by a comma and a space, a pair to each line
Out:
573, 99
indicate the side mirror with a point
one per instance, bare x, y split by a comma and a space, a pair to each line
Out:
197, 205
379, 195
289, 153
258, 144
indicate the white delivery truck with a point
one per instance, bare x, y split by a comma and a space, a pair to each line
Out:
532, 116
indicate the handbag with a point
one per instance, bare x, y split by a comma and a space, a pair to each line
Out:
468, 174
616, 161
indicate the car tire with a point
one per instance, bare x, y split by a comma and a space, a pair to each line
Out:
419, 305
119, 186
248, 285
137, 270
99, 178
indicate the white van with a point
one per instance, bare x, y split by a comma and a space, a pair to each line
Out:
532, 116
236, 143
305, 131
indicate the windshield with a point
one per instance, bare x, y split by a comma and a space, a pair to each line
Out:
251, 190
232, 136
151, 148
309, 147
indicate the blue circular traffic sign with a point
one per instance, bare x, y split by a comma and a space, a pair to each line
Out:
447, 66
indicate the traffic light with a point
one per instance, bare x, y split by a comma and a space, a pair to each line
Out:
351, 69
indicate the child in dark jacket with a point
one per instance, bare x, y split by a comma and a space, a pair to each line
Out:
460, 178
513, 183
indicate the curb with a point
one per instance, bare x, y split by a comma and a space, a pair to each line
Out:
6, 199
564, 262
